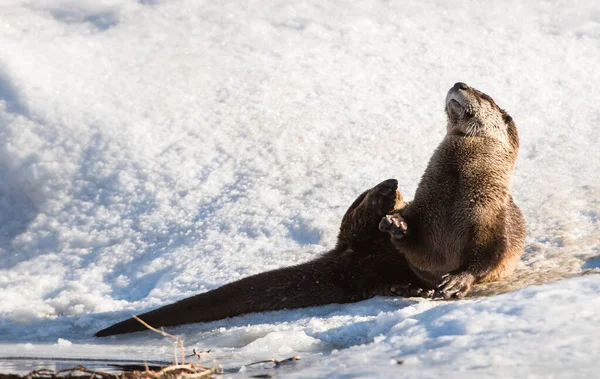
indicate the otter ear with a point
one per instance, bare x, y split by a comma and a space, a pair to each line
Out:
506, 118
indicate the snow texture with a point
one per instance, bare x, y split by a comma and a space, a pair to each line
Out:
153, 150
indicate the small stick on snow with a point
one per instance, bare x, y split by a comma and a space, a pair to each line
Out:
277, 363
175, 338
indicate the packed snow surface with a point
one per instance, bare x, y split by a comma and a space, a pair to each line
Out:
153, 150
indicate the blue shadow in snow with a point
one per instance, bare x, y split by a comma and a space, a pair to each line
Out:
593, 262
17, 209
10, 95
101, 21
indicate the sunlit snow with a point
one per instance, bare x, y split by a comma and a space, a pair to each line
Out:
153, 150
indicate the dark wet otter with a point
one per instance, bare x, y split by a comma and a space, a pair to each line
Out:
461, 228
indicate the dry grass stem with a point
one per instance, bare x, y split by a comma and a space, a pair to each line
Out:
176, 339
277, 363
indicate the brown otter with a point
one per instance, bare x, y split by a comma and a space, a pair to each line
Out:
463, 227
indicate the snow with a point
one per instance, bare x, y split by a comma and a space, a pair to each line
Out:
153, 150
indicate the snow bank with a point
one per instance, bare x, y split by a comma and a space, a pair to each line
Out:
152, 150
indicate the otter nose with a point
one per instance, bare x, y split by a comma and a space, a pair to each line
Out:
460, 85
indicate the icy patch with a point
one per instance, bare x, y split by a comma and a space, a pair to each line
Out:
63, 343
283, 343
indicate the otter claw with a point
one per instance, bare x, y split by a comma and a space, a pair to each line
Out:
393, 224
455, 285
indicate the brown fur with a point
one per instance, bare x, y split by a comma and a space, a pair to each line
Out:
463, 220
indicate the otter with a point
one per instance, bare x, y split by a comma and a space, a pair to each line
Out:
461, 228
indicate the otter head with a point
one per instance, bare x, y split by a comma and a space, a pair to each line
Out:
472, 113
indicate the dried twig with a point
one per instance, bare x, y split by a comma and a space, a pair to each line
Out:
170, 372
197, 354
40, 372
178, 341
277, 363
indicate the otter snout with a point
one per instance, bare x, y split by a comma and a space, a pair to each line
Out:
460, 104
457, 93
460, 85
456, 99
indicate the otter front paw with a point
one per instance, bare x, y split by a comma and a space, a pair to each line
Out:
455, 285
382, 198
393, 224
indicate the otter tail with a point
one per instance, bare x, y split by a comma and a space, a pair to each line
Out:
313, 283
